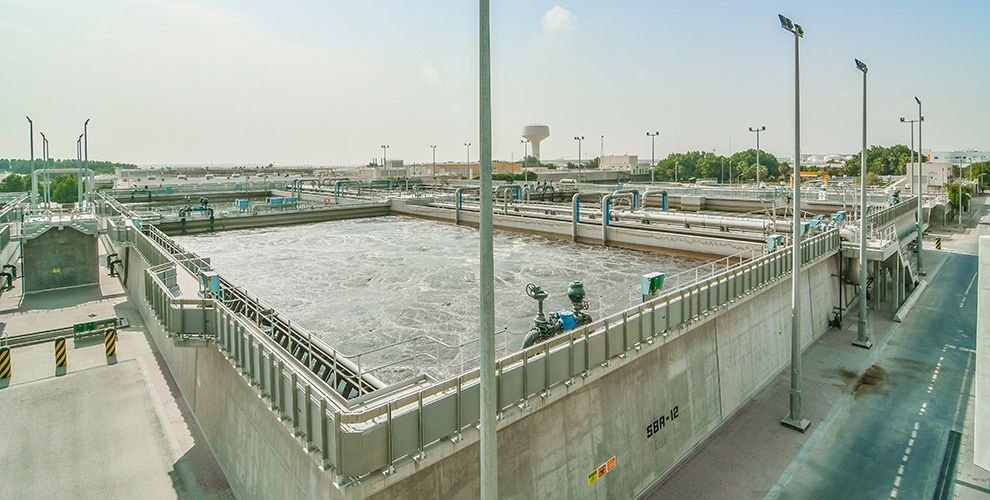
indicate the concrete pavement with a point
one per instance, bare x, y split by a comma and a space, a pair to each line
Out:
890, 422
100, 430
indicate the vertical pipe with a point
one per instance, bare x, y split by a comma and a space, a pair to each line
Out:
489, 450
862, 335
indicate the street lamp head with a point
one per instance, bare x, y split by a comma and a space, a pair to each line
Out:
786, 23
29, 119
87, 122
758, 129
902, 119
860, 65
578, 138
917, 100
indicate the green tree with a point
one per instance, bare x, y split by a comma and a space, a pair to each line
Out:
14, 183
65, 189
883, 161
953, 190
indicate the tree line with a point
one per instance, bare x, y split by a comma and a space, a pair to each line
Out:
19, 166
64, 188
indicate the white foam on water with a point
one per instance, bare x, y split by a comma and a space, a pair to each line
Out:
365, 283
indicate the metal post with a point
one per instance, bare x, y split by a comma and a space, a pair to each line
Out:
579, 138
960, 192
467, 165
434, 146
793, 419
862, 335
34, 180
489, 444
758, 130
85, 141
653, 155
921, 162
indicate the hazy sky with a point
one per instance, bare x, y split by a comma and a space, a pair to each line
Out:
326, 82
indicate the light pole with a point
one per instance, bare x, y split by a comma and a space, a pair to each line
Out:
525, 153
34, 180
44, 159
758, 130
385, 158
921, 163
862, 335
489, 441
467, 165
85, 141
677, 165
653, 155
434, 146
960, 192
579, 138
793, 419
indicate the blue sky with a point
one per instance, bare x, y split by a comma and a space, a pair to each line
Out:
328, 82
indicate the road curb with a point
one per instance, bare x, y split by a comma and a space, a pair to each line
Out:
909, 303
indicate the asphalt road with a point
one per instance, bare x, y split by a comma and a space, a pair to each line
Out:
889, 440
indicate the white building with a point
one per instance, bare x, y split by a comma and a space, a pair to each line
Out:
618, 162
935, 175
966, 156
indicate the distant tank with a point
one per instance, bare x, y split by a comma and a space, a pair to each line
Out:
535, 133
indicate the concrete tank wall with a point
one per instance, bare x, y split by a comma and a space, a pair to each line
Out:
706, 372
58, 258
641, 239
701, 374
258, 453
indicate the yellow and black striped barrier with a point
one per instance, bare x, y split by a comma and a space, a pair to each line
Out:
4, 363
938, 243
110, 337
61, 360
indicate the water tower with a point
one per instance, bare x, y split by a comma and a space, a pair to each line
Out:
535, 133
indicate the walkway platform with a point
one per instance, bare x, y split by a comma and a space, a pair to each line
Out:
895, 421
99, 430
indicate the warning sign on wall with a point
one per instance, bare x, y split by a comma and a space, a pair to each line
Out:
601, 471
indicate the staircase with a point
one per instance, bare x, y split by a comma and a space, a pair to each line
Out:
912, 264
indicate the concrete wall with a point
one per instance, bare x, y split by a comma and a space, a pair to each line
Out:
258, 453
707, 372
683, 244
58, 258
981, 425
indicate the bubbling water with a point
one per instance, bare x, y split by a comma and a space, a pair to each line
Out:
365, 283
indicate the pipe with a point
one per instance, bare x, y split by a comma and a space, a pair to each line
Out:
78, 172
458, 203
576, 212
662, 193
505, 198
634, 192
606, 202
